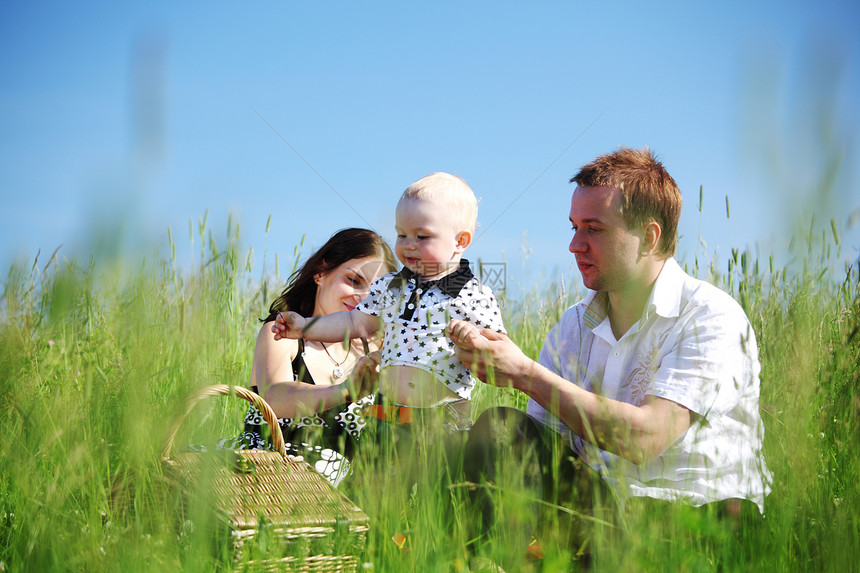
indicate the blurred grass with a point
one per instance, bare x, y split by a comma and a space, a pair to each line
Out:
94, 361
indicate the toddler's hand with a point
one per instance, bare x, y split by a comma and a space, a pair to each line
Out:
288, 325
464, 334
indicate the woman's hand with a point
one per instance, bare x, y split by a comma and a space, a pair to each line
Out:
288, 325
365, 376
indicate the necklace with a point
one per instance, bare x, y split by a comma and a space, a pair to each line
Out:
337, 371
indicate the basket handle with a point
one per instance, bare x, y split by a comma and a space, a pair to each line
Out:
227, 390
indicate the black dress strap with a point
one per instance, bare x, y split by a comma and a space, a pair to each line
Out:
329, 429
300, 370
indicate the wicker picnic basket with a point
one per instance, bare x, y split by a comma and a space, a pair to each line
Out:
281, 515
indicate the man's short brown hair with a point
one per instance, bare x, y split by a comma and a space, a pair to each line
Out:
649, 192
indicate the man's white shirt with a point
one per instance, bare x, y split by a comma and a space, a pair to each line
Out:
694, 346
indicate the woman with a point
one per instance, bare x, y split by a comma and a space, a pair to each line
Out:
308, 383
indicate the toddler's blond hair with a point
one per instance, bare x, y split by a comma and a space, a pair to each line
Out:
450, 189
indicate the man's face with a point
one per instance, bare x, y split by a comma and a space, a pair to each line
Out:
606, 250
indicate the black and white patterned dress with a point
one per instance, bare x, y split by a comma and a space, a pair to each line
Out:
326, 439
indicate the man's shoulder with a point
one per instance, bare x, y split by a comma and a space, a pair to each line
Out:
571, 319
575, 312
700, 295
704, 292
564, 338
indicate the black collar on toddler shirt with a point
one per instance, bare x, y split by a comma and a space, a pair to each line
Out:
451, 284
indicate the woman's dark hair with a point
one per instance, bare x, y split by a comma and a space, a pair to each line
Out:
301, 291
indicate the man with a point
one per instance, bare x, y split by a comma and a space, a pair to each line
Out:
652, 379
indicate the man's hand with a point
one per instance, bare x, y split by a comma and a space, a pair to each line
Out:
288, 325
488, 352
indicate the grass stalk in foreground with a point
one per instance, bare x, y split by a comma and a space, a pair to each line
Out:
93, 365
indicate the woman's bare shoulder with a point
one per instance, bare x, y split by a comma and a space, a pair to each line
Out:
269, 349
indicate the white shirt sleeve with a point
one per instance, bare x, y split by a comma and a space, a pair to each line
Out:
713, 359
564, 334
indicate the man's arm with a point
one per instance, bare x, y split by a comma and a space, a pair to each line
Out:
636, 433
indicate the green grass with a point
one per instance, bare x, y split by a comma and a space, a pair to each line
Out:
95, 358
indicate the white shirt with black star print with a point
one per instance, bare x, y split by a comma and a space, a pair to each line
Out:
420, 341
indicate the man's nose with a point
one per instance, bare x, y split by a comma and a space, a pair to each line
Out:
577, 245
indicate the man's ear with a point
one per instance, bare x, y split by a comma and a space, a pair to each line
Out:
464, 239
651, 238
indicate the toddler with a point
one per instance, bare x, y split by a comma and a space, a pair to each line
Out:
435, 224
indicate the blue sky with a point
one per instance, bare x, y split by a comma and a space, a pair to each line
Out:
140, 118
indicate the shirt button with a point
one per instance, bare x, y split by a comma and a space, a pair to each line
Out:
410, 306
419, 291
617, 353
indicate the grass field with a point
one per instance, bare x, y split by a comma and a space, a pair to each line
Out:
96, 357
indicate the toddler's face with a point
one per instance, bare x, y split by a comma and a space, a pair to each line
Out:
427, 237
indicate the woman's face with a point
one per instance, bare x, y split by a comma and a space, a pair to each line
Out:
345, 286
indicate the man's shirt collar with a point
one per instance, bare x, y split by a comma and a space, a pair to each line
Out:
595, 309
665, 299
